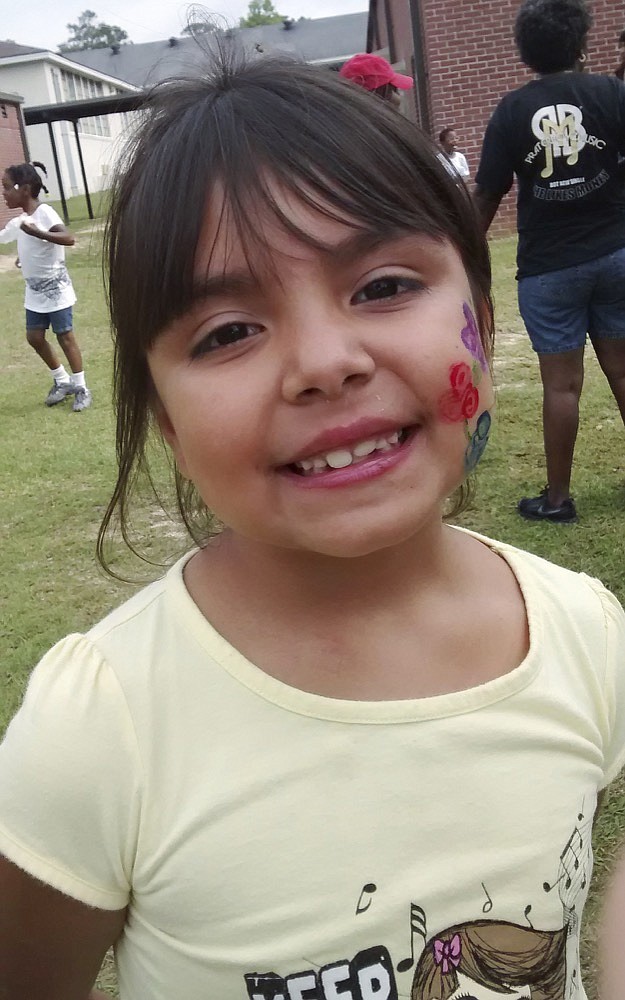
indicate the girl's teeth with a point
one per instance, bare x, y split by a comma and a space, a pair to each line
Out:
339, 459
364, 448
343, 457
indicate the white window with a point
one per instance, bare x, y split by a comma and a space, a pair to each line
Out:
81, 88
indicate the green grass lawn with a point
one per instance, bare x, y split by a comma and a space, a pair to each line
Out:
57, 468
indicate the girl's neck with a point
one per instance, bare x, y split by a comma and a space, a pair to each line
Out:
440, 613
30, 205
307, 582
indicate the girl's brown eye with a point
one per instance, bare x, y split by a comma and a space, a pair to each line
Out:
386, 288
224, 336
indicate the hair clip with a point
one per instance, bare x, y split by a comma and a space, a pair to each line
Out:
16, 187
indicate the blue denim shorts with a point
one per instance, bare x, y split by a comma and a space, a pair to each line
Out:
560, 307
61, 321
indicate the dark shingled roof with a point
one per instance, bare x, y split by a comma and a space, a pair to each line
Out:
13, 49
315, 40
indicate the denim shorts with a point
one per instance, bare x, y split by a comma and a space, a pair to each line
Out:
560, 307
61, 321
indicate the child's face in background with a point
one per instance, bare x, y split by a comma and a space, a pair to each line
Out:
11, 196
308, 406
469, 990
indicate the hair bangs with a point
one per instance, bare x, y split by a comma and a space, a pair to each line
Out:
373, 176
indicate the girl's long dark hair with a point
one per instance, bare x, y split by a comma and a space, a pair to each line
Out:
245, 125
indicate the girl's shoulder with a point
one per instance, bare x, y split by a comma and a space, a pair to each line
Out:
572, 593
46, 215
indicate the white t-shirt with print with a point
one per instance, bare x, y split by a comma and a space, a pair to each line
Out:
48, 285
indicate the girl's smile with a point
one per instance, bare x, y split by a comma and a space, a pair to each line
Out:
350, 454
302, 395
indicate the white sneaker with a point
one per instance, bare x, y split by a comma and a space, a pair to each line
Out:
82, 400
59, 392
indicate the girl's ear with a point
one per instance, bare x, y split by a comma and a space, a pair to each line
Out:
167, 429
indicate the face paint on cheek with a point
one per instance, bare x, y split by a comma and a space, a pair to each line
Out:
477, 441
471, 339
459, 404
462, 399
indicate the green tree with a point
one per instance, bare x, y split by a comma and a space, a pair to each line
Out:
260, 12
198, 28
87, 33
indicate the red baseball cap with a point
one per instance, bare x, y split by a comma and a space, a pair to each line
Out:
371, 72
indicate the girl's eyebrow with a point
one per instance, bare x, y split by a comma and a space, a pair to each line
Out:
365, 241
241, 282
224, 285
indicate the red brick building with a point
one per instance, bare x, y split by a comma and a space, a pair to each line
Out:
462, 56
13, 147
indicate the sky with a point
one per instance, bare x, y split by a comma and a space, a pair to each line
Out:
144, 20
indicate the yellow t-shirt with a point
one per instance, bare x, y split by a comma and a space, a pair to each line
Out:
271, 843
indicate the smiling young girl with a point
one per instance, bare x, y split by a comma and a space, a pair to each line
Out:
341, 726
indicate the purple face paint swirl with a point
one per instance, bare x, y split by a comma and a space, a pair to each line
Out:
471, 338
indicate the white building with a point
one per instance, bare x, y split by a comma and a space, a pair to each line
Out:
43, 77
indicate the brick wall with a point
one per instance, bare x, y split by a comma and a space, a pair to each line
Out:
471, 62
11, 144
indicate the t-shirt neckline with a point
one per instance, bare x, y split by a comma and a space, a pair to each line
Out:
292, 699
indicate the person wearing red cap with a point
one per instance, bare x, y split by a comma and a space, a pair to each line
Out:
376, 75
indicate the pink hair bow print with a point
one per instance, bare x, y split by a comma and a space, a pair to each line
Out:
447, 953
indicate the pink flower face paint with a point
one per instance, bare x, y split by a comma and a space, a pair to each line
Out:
462, 400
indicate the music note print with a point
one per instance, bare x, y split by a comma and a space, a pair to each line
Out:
417, 929
488, 905
367, 893
574, 865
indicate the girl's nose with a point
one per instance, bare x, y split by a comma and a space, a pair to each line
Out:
325, 366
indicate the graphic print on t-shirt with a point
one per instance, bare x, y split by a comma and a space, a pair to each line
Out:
51, 286
562, 137
483, 959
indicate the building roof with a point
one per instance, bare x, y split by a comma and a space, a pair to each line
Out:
13, 49
12, 54
324, 39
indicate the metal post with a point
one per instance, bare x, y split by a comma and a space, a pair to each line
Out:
372, 27
58, 172
420, 67
390, 32
82, 169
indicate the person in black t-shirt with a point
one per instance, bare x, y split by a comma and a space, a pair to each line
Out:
562, 135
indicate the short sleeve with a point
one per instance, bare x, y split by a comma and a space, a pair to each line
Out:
614, 684
10, 231
70, 779
495, 173
47, 217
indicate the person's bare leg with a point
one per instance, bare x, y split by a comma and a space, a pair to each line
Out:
38, 342
611, 356
71, 350
562, 377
